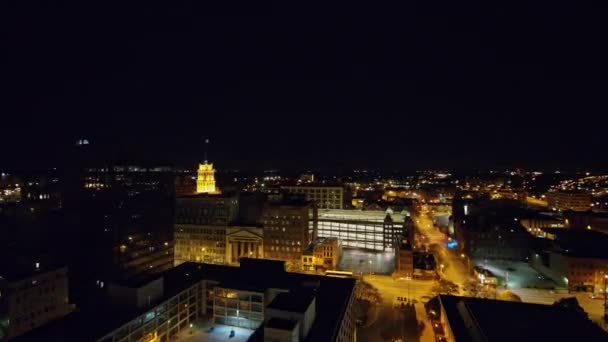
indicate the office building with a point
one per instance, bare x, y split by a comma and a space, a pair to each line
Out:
192, 297
221, 229
573, 259
534, 222
325, 197
490, 229
373, 230
31, 296
464, 319
142, 252
322, 254
286, 232
201, 222
569, 200
404, 261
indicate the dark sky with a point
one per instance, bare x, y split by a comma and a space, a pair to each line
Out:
420, 83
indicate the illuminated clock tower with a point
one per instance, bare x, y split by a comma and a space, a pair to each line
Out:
205, 179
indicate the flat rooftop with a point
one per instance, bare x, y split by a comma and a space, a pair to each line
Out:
332, 295
360, 215
14, 267
292, 301
283, 324
503, 321
202, 332
580, 243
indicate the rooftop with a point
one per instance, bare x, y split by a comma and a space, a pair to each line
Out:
319, 241
206, 195
332, 296
14, 267
580, 243
496, 321
292, 301
282, 324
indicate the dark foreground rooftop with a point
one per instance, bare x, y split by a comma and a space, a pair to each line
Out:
476, 319
292, 301
97, 317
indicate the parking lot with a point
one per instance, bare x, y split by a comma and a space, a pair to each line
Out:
366, 262
520, 275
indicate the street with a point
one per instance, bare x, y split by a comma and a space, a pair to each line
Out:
454, 267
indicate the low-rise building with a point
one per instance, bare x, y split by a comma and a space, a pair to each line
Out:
404, 262
464, 319
569, 200
280, 306
31, 296
574, 259
324, 253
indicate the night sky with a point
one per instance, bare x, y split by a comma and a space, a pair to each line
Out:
443, 83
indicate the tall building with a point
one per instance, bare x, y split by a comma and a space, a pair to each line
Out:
205, 179
325, 197
286, 230
404, 254
31, 296
201, 222
491, 229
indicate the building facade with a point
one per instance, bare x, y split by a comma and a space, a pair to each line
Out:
373, 230
324, 253
288, 306
325, 197
286, 231
200, 227
244, 241
31, 299
569, 200
404, 261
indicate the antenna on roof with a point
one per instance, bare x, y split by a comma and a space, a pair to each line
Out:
206, 148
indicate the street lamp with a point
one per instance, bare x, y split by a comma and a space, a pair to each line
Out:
442, 266
605, 298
